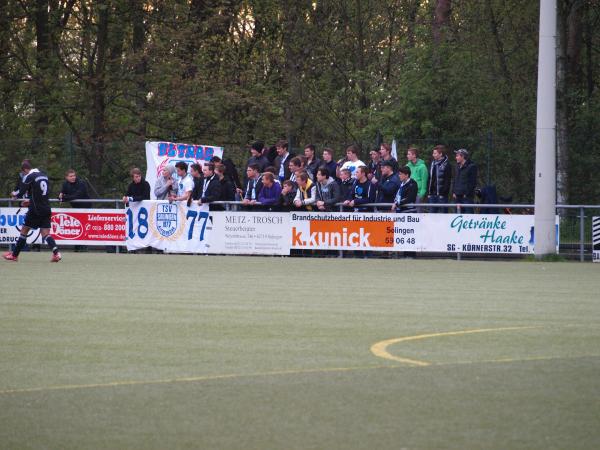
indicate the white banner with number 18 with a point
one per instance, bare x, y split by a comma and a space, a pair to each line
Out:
171, 227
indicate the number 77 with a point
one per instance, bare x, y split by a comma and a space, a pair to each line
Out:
200, 215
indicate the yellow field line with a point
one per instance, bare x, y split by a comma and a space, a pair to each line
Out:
380, 348
66, 387
69, 387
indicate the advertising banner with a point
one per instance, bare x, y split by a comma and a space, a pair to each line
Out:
462, 233
596, 239
177, 228
161, 154
70, 226
252, 233
172, 227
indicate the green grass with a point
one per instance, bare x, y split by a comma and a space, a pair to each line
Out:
165, 352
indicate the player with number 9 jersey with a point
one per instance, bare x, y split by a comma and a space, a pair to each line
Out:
37, 188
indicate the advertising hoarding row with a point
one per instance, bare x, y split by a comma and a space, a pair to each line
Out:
177, 228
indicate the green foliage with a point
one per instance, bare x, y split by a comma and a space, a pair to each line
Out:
112, 74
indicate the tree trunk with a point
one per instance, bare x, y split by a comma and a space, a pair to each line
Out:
362, 69
569, 45
140, 66
43, 65
440, 20
97, 86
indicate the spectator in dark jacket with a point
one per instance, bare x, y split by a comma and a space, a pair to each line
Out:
282, 161
74, 188
230, 170
362, 190
253, 186
271, 154
440, 178
385, 150
197, 178
288, 194
407, 192
138, 189
374, 165
329, 162
328, 191
211, 186
19, 184
312, 162
256, 156
389, 183
227, 186
346, 182
465, 181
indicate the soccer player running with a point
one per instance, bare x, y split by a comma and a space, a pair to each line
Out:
37, 187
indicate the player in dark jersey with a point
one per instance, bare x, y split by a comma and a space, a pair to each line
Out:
37, 187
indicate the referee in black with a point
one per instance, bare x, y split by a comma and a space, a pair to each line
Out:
37, 187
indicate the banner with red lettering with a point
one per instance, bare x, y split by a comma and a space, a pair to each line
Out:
70, 226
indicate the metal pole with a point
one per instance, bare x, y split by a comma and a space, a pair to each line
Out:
117, 207
489, 151
458, 255
581, 234
341, 252
545, 146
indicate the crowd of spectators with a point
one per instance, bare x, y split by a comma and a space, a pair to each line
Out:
277, 180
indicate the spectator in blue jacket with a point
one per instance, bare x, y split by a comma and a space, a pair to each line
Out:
389, 183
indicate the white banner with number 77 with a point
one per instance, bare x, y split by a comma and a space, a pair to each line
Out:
171, 227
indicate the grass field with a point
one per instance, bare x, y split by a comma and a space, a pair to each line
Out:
168, 352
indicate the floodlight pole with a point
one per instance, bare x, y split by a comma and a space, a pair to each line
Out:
545, 143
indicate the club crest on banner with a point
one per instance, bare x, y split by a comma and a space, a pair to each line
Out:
168, 220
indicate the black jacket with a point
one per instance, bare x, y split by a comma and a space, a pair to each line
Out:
286, 170
210, 189
249, 187
440, 177
262, 162
138, 191
362, 193
466, 180
407, 194
227, 190
313, 166
75, 191
231, 172
197, 191
345, 187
